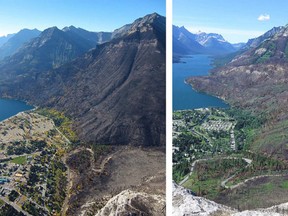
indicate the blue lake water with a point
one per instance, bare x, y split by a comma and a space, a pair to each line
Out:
9, 108
184, 97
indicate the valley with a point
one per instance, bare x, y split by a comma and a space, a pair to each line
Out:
237, 156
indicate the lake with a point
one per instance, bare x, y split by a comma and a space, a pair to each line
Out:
184, 96
9, 108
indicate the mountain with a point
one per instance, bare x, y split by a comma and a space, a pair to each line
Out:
185, 42
4, 39
256, 80
121, 31
50, 49
214, 43
93, 37
16, 41
272, 49
238, 46
252, 43
114, 93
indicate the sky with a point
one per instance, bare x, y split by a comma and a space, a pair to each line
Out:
92, 15
236, 20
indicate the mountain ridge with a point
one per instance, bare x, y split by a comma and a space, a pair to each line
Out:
185, 42
106, 100
16, 41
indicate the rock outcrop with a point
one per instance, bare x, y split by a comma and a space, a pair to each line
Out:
130, 202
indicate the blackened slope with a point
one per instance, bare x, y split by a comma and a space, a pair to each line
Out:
115, 93
119, 98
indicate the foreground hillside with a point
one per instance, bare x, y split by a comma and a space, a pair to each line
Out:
211, 157
44, 174
184, 203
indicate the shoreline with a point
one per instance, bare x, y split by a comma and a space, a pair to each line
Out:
33, 108
192, 94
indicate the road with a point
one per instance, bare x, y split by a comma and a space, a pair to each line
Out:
247, 180
67, 140
191, 170
248, 161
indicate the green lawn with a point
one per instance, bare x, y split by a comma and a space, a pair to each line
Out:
19, 160
285, 185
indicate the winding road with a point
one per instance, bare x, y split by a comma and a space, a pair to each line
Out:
224, 182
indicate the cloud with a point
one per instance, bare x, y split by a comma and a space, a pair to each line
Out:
264, 17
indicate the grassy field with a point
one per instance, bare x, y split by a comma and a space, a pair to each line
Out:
19, 160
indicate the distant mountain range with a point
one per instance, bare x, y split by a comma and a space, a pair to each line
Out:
79, 39
4, 39
16, 41
256, 79
185, 42
114, 91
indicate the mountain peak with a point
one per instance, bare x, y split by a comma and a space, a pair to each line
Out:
53, 28
16, 41
204, 37
144, 24
185, 42
150, 18
69, 28
51, 32
29, 30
